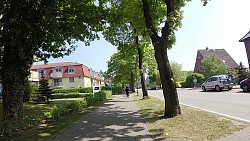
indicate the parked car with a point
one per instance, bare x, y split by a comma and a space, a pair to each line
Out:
217, 83
152, 88
245, 84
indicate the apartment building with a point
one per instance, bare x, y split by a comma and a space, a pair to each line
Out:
67, 75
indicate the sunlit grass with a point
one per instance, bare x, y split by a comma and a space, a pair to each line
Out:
38, 129
192, 124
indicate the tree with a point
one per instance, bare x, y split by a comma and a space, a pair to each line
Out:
43, 29
44, 91
123, 29
123, 65
169, 12
212, 65
178, 74
156, 20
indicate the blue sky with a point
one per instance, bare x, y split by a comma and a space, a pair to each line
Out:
218, 25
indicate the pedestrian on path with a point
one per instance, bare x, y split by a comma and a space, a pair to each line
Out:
127, 91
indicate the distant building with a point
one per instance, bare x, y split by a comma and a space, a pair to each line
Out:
220, 53
68, 75
246, 40
34, 77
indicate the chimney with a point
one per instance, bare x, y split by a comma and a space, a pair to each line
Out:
206, 48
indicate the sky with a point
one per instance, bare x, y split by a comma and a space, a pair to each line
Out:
219, 25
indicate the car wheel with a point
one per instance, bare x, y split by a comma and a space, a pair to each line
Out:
229, 88
203, 88
217, 88
245, 88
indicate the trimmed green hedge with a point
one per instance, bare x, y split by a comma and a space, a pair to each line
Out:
67, 95
56, 113
74, 90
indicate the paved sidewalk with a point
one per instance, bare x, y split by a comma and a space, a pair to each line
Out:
116, 120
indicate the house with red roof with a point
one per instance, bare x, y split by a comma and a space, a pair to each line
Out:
67, 75
220, 53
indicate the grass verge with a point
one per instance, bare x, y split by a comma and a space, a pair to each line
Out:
36, 128
192, 124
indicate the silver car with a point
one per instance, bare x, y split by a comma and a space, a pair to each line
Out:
217, 83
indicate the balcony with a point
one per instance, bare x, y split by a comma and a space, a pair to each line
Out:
56, 74
56, 85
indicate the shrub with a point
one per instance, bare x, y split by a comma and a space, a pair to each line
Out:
73, 90
55, 113
189, 80
27, 91
178, 84
69, 95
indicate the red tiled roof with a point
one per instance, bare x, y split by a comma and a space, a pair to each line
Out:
52, 65
80, 69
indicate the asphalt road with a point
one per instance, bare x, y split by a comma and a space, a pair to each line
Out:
233, 104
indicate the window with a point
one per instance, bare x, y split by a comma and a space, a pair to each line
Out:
71, 70
71, 80
215, 79
57, 69
42, 72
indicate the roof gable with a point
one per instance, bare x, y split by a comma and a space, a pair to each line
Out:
220, 53
245, 37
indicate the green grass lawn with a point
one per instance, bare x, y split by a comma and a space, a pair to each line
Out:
192, 124
37, 128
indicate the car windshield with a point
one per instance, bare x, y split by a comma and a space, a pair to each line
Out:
223, 77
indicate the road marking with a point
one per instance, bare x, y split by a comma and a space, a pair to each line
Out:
223, 115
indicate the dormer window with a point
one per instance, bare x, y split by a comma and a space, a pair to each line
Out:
71, 69
42, 72
57, 69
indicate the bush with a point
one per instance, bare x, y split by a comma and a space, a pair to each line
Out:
56, 113
189, 80
73, 90
69, 95
178, 84
106, 88
97, 97
27, 91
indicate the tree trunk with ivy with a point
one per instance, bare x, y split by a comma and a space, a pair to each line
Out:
17, 50
14, 72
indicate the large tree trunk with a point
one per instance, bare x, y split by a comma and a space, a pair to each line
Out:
172, 107
17, 49
13, 75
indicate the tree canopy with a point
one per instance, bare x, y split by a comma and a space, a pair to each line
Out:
212, 65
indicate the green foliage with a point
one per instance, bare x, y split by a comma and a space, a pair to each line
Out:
67, 95
212, 65
106, 88
154, 78
178, 74
189, 80
27, 91
56, 113
44, 91
73, 90
97, 97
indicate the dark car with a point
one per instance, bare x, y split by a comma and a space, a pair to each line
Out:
245, 84
152, 88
